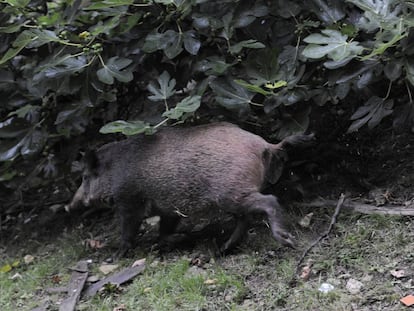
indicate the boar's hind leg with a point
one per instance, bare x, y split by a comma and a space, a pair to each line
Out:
237, 234
168, 235
257, 202
131, 217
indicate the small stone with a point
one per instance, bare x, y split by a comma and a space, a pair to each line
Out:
93, 279
152, 221
195, 271
106, 269
326, 288
354, 286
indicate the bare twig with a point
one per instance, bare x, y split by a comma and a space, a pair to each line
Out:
363, 208
326, 233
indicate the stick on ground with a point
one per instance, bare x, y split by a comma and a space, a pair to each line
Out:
117, 278
76, 284
363, 208
326, 233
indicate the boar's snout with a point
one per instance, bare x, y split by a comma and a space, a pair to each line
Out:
79, 199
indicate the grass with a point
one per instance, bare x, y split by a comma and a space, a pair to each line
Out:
255, 277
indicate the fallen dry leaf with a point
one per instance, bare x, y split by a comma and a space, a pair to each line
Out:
139, 262
120, 308
306, 220
408, 300
305, 273
106, 269
28, 259
210, 281
94, 244
56, 279
6, 268
16, 276
398, 273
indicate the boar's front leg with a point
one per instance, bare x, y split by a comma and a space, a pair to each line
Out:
131, 217
258, 202
236, 236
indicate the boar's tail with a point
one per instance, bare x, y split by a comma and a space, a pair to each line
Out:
300, 141
91, 162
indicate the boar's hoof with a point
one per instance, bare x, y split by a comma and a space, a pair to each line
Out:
286, 239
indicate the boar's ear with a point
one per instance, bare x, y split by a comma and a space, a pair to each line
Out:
91, 161
274, 162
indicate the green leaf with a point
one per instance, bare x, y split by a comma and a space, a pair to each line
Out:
371, 113
276, 85
23, 111
164, 89
106, 4
185, 107
18, 3
126, 127
409, 69
191, 44
173, 43
251, 44
13, 28
43, 36
29, 144
105, 27
263, 67
231, 95
379, 14
253, 88
213, 65
22, 40
381, 47
115, 68
62, 66
330, 43
328, 11
170, 42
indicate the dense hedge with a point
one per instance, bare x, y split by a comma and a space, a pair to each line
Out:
69, 67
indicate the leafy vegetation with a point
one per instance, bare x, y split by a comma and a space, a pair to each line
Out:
69, 68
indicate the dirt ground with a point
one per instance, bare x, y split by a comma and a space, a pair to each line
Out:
367, 259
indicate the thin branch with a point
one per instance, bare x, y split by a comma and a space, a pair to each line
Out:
362, 207
326, 233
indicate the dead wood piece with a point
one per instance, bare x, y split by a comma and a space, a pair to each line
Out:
117, 278
43, 307
364, 208
52, 290
326, 233
76, 284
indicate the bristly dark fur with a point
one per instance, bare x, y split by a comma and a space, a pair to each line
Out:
206, 171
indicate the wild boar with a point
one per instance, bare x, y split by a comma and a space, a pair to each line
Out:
202, 171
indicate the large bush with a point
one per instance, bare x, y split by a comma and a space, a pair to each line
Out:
69, 68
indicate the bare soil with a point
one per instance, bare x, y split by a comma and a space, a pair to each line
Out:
375, 168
